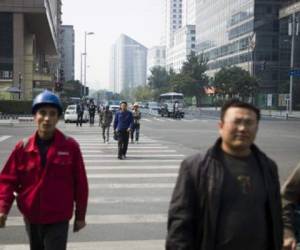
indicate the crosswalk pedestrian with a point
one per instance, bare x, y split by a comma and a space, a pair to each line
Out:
128, 199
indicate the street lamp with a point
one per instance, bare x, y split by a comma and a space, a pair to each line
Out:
293, 31
81, 75
85, 54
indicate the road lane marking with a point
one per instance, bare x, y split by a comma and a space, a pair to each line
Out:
134, 151
106, 219
139, 156
103, 245
131, 186
130, 167
130, 161
3, 138
124, 176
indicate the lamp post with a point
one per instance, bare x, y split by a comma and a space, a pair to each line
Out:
293, 31
85, 54
81, 75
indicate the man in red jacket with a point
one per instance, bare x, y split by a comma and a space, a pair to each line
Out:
47, 173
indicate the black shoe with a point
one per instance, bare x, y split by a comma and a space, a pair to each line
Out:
124, 156
120, 158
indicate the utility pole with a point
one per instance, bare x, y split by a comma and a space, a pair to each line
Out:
293, 31
20, 84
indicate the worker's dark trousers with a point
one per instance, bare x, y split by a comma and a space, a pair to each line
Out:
122, 142
48, 236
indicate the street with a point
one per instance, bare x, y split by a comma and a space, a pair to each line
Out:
129, 198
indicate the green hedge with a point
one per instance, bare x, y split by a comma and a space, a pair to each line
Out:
15, 107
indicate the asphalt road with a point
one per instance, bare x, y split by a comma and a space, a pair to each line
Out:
129, 199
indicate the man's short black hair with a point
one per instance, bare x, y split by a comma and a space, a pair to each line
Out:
236, 103
123, 102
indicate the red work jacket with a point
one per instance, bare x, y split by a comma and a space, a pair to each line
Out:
45, 194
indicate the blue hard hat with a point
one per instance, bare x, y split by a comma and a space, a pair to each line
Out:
46, 98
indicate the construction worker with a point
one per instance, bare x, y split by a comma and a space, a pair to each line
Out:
47, 173
106, 117
136, 123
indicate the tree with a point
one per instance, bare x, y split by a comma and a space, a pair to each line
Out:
158, 81
143, 93
235, 82
192, 77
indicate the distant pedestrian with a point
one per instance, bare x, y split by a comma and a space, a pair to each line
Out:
106, 117
46, 175
92, 112
122, 125
79, 112
136, 113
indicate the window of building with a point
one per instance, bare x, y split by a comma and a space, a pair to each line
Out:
6, 45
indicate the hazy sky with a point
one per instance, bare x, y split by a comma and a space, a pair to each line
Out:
140, 19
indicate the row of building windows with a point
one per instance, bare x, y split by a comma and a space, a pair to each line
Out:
228, 49
242, 58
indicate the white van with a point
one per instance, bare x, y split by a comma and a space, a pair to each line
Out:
71, 115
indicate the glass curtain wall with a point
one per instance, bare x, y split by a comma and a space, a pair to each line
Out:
6, 46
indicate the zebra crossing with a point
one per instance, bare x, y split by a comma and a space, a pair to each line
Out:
128, 199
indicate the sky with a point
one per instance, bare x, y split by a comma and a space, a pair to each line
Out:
141, 20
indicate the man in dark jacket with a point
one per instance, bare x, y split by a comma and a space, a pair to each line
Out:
79, 111
106, 117
291, 202
122, 125
228, 199
92, 111
47, 173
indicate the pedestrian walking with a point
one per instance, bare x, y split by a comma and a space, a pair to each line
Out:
136, 123
106, 117
47, 173
122, 125
228, 199
92, 111
290, 205
79, 112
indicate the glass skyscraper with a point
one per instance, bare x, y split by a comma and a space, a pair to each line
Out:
243, 33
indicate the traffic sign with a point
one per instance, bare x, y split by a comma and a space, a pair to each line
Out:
294, 72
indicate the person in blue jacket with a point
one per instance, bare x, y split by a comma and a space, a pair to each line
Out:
122, 125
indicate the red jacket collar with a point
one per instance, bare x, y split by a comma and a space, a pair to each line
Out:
31, 146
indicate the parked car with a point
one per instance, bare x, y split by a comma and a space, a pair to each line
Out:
71, 115
114, 108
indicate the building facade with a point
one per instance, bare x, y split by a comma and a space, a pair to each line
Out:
243, 33
156, 57
189, 12
29, 46
289, 16
67, 53
184, 45
128, 64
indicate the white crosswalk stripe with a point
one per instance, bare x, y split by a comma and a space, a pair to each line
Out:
144, 179
5, 137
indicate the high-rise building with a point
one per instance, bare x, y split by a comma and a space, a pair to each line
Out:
179, 31
243, 33
184, 45
67, 52
156, 57
289, 29
29, 46
172, 19
189, 12
128, 64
